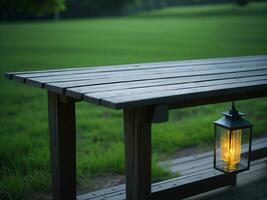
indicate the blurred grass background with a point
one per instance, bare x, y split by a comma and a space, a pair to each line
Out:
168, 34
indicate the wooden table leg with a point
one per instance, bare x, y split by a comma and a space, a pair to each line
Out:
137, 134
61, 111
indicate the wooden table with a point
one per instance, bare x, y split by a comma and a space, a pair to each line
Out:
145, 92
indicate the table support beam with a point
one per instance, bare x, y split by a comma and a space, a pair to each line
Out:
61, 112
137, 136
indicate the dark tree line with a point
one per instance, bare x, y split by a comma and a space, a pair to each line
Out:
242, 2
86, 8
31, 7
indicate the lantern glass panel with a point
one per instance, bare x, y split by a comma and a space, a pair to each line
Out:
232, 147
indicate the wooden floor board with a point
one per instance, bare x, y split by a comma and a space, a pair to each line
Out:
251, 184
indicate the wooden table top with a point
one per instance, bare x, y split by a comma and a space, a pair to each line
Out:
175, 83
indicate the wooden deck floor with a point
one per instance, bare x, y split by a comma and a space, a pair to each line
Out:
251, 185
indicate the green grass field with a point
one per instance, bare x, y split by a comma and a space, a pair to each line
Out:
168, 34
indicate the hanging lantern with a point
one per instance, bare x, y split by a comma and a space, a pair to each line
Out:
232, 147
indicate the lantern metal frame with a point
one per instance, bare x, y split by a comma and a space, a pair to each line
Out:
232, 120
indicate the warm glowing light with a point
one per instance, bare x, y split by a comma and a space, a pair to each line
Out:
231, 148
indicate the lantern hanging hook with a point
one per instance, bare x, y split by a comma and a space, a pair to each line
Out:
233, 112
233, 109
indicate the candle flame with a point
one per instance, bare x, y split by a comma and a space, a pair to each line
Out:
231, 148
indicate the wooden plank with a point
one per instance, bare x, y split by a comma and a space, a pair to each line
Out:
77, 92
98, 96
257, 144
221, 98
117, 192
179, 187
31, 74
113, 74
205, 183
59, 87
103, 192
251, 184
199, 162
189, 161
160, 114
62, 147
257, 154
184, 95
206, 162
137, 136
9, 75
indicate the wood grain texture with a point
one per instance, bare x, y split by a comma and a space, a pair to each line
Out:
56, 72
140, 72
187, 95
62, 146
137, 136
125, 93
78, 92
197, 168
174, 83
60, 87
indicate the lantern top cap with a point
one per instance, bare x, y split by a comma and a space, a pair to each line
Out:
233, 119
233, 112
